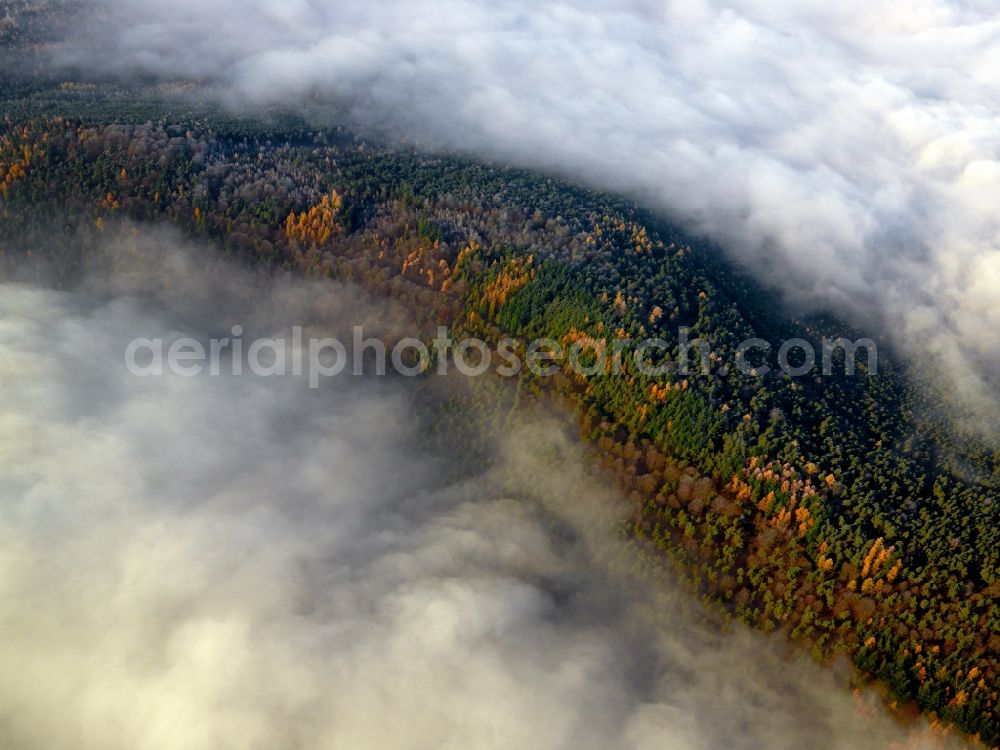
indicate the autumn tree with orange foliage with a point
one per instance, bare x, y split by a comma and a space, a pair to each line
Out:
316, 225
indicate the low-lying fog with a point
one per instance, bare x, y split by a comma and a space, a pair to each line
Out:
242, 562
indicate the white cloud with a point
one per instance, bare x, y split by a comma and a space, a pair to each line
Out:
247, 563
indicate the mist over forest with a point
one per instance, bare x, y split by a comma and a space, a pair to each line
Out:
225, 562
848, 156
750, 502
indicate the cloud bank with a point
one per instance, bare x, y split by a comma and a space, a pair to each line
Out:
848, 153
242, 562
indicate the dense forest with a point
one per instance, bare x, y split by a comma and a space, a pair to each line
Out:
847, 510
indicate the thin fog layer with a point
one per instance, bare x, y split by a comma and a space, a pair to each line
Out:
241, 562
848, 153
